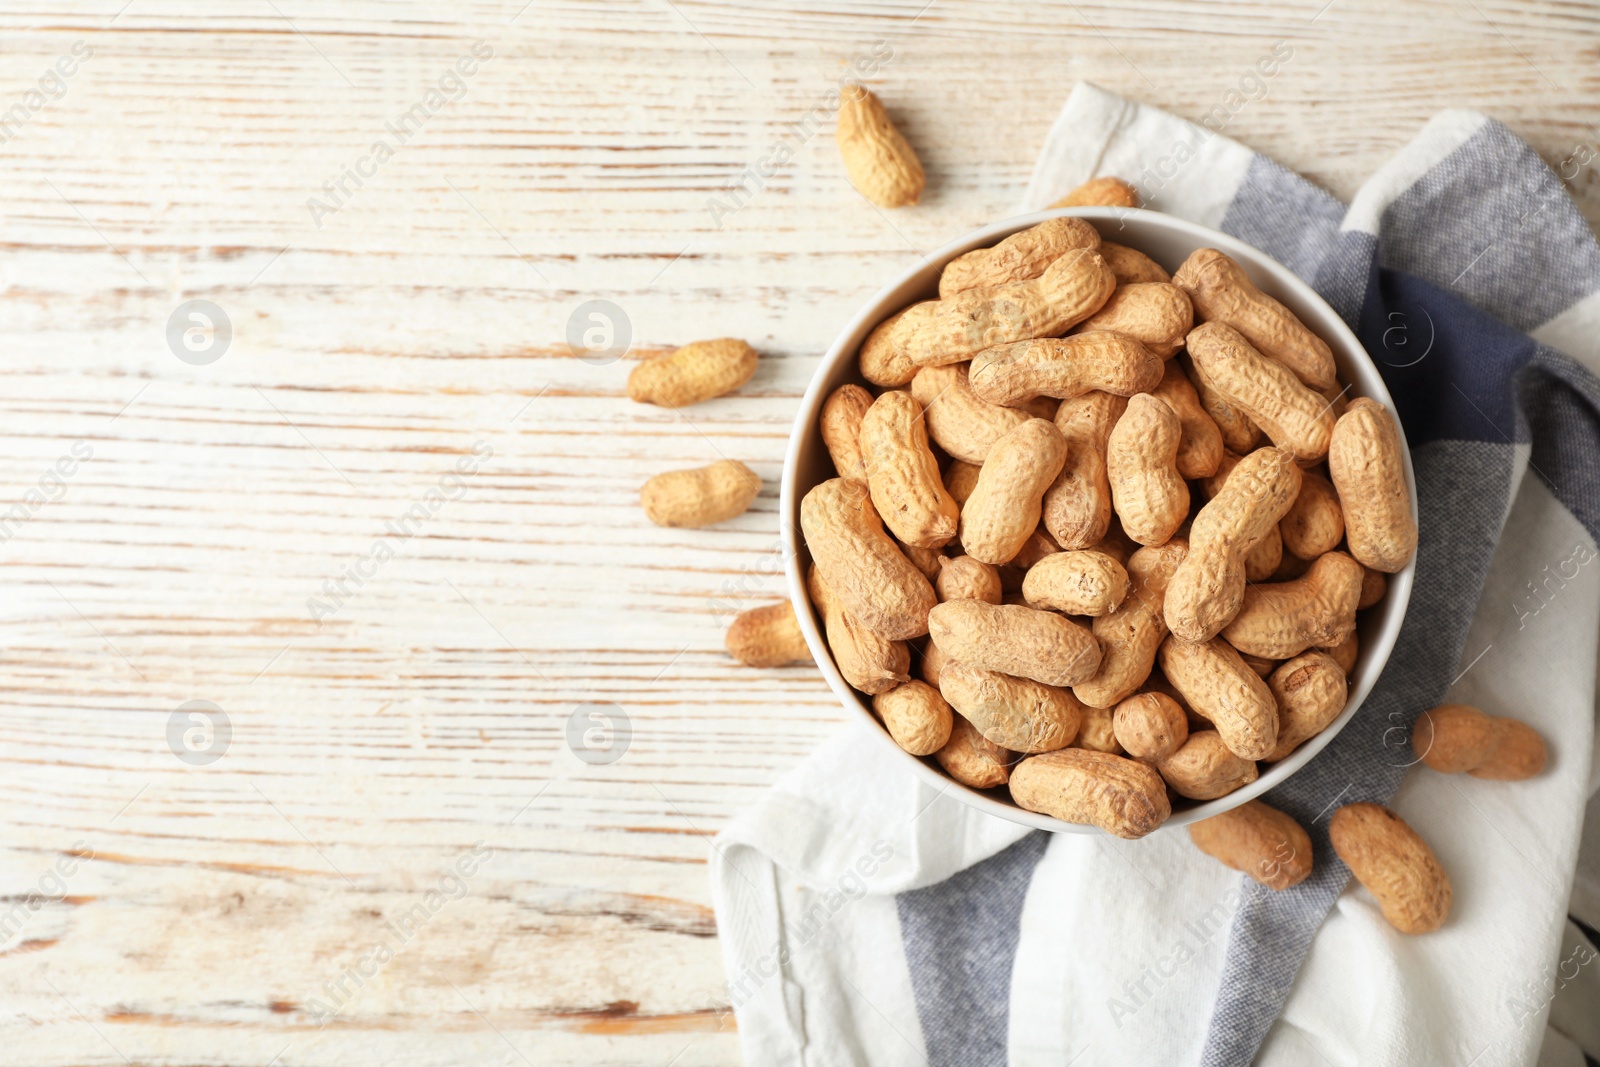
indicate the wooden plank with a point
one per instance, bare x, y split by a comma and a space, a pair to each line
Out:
386, 331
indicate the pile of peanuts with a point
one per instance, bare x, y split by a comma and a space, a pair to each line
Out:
1125, 521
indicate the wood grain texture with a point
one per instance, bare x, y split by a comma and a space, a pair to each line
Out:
375, 346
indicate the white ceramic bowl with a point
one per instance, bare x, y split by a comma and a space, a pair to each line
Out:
1168, 241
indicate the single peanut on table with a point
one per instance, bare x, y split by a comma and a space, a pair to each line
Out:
902, 474
701, 496
695, 372
1261, 841
1395, 864
880, 162
767, 636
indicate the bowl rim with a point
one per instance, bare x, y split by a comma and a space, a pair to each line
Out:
1375, 652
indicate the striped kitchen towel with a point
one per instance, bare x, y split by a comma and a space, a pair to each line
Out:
867, 919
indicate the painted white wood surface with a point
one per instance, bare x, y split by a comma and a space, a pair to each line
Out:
373, 347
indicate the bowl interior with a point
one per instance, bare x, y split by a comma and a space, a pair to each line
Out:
1168, 241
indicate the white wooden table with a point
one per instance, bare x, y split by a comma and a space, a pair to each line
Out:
177, 892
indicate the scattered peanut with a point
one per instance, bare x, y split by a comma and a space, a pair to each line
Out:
701, 496
1369, 473
1150, 726
1101, 192
1147, 491
767, 636
916, 716
880, 162
1121, 796
1456, 738
1261, 841
903, 475
1223, 293
698, 371
1020, 641
1395, 865
1018, 258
